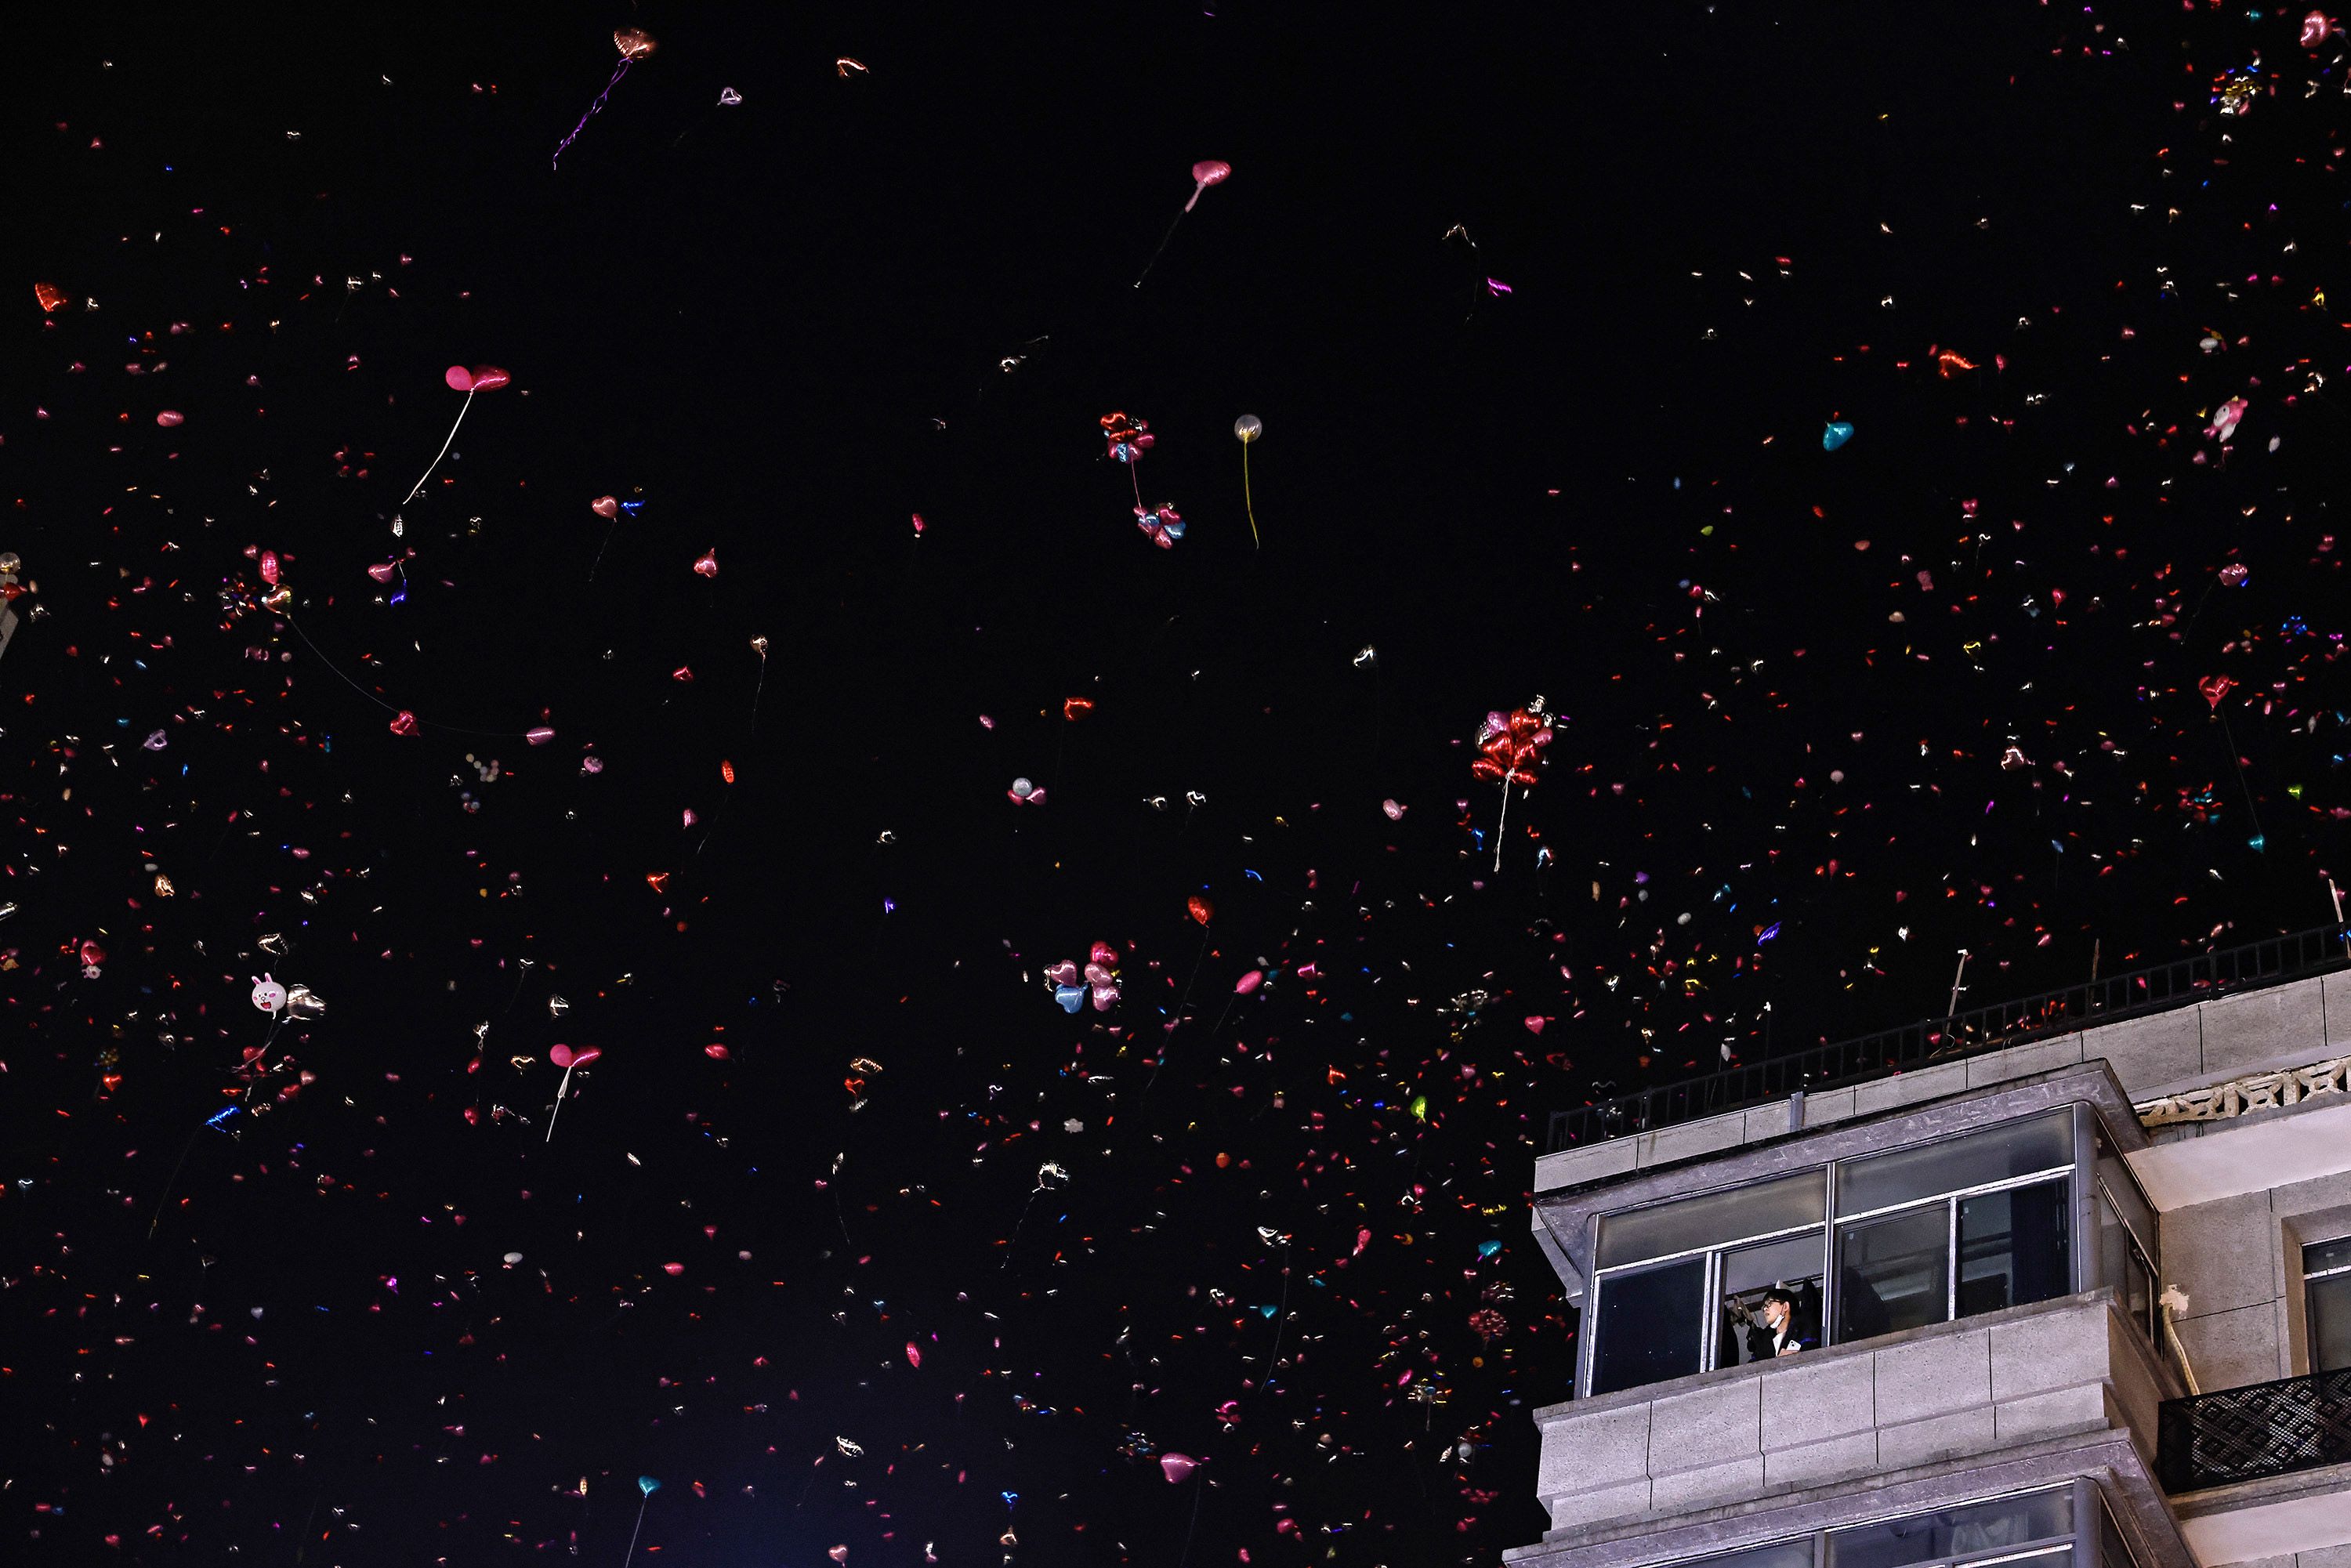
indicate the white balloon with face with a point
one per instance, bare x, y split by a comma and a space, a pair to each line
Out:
268, 995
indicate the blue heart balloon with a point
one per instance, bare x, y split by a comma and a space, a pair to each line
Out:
648, 1485
1488, 1248
1072, 998
1835, 436
1268, 1312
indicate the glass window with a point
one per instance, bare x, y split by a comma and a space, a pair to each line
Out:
2122, 1265
2012, 1247
1666, 1228
1650, 1325
1796, 1553
1998, 1154
2326, 1303
1972, 1530
1893, 1273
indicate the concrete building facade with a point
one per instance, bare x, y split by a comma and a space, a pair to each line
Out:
2064, 1298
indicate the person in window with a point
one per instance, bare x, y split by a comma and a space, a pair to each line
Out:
1779, 1333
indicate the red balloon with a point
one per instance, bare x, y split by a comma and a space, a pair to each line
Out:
565, 1057
1200, 908
404, 723
170, 417
706, 563
605, 507
2214, 688
1105, 955
489, 378
672, 1269
1175, 1466
716, 1052
1211, 172
459, 377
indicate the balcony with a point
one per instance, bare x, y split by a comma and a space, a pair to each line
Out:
2254, 1433
1880, 1408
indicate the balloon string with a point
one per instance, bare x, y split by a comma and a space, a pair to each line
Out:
1163, 242
1501, 825
1246, 501
1136, 479
560, 1090
648, 1496
592, 108
388, 707
444, 448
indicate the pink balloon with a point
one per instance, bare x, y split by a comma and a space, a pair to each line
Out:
459, 377
384, 571
1175, 1466
1248, 982
489, 378
706, 563
538, 735
1205, 174
914, 1354
563, 1056
170, 417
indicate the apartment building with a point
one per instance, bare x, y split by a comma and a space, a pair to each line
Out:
2064, 1282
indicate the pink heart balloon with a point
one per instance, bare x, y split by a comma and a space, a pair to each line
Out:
1175, 1466
1065, 973
1211, 172
706, 563
605, 507
382, 571
563, 1056
1097, 975
489, 378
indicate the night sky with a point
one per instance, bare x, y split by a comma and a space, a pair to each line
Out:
850, 1237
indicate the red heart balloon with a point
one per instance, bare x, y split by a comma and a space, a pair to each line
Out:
488, 378
605, 507
2214, 688
716, 1052
1200, 908
404, 723
1105, 955
382, 571
706, 563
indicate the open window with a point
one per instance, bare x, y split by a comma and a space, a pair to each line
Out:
1681, 1287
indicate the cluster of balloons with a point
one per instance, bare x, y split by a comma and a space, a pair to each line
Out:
1510, 745
1161, 525
1129, 438
1098, 980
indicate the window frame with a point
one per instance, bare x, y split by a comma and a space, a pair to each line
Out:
2310, 1277
2086, 1266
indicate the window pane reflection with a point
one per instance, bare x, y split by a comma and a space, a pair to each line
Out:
1651, 1325
2328, 1303
1893, 1273
1971, 1530
2013, 1248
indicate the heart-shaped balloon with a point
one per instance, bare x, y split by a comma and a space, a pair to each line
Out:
706, 563
563, 1056
1175, 1466
1105, 954
605, 507
1072, 998
1837, 433
1104, 996
384, 571
1097, 975
2214, 688
404, 723
1065, 973
489, 378
1200, 909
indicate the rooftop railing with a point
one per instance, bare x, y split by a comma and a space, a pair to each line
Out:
1930, 1041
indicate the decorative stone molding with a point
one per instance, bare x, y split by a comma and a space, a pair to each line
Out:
2255, 1092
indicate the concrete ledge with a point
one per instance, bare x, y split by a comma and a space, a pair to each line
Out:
1943, 1393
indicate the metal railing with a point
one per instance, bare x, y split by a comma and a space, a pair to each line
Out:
2245, 1434
1929, 1041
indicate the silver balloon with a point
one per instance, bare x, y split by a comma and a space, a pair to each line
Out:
1249, 427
